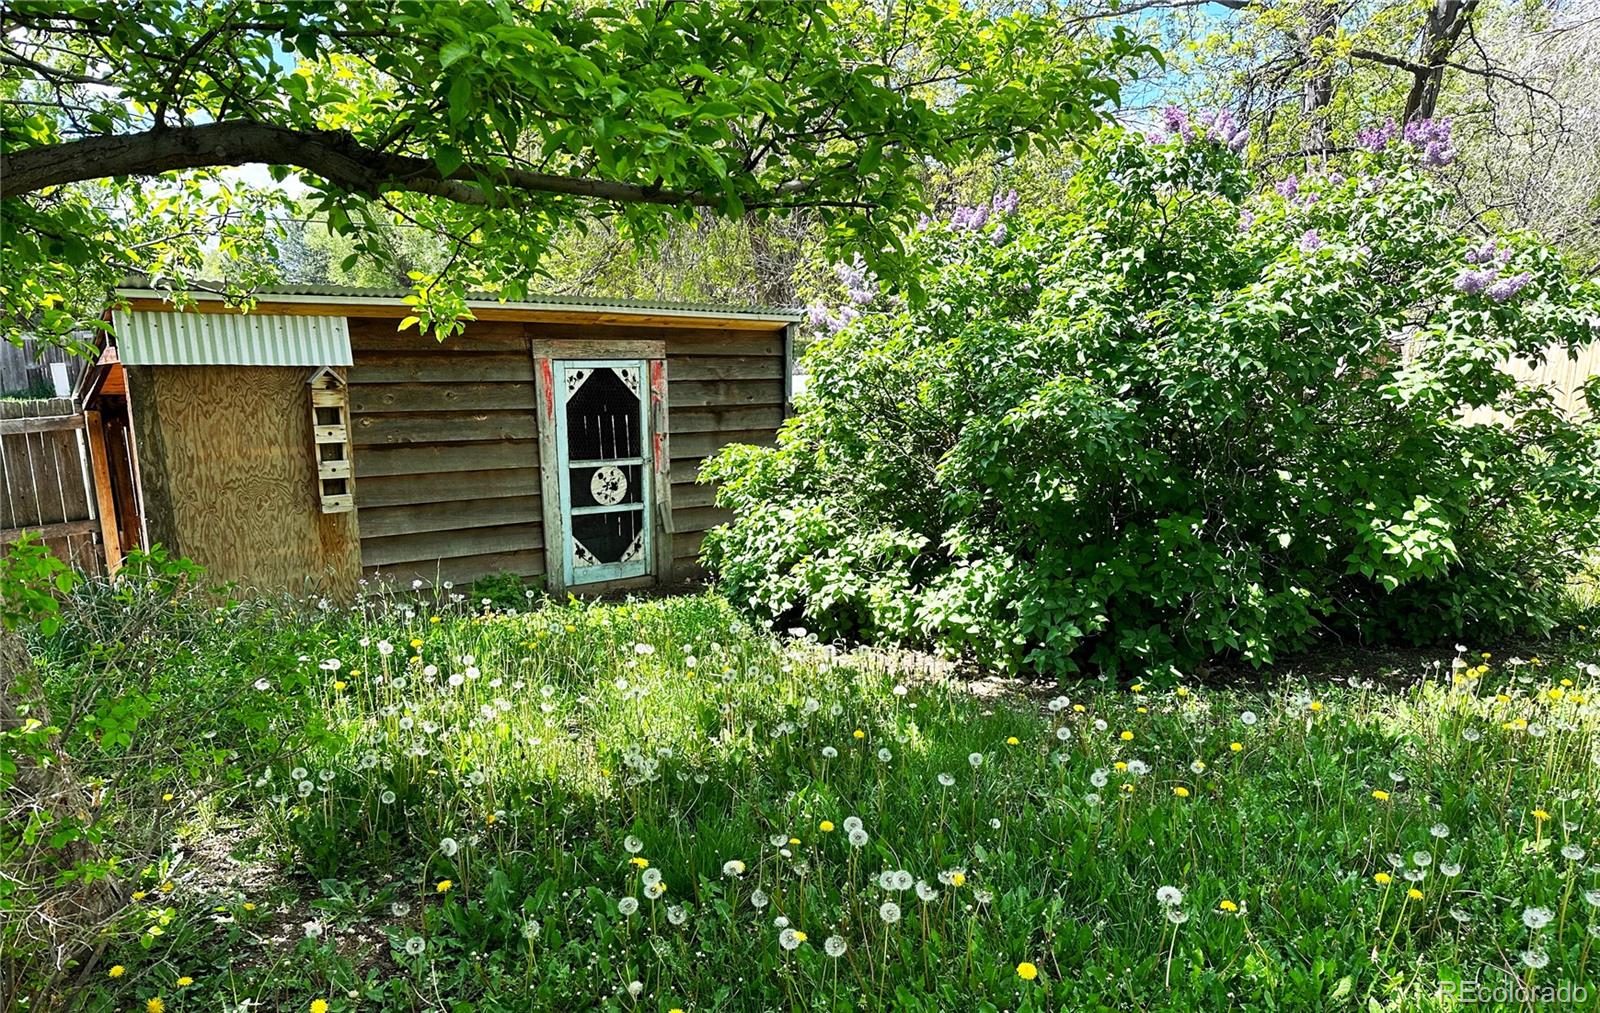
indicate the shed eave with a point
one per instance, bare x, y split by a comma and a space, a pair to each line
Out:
777, 318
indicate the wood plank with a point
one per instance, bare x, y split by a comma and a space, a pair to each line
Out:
445, 427
425, 397
725, 419
480, 311
380, 336
426, 459
425, 547
597, 348
448, 515
105, 502
550, 477
726, 367
462, 570
698, 393
423, 367
398, 490
44, 424
690, 493
60, 529
701, 342
686, 545
687, 445
686, 520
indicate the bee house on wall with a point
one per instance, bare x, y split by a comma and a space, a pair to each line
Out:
330, 432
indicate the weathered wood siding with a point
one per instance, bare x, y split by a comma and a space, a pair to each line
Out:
446, 452
44, 480
226, 462
722, 388
446, 440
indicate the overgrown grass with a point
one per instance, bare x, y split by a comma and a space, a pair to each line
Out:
446, 806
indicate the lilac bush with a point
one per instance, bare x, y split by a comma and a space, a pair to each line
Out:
1180, 414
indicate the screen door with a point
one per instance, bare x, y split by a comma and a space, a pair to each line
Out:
603, 439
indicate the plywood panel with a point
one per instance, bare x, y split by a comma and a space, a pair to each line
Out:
233, 445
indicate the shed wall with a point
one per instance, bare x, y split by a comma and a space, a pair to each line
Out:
226, 460
446, 441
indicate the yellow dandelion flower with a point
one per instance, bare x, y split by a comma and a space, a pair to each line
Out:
319, 1006
154, 1005
1567, 683
798, 934
1121, 765
490, 818
1380, 795
339, 685
117, 971
1183, 691
1127, 787
416, 642
958, 879
1142, 710
1382, 878
167, 797
1012, 740
1235, 746
1026, 971
826, 826
1078, 708
794, 840
185, 981
140, 895
435, 619
1316, 706
643, 863
1540, 815
168, 886
248, 906
1126, 736
859, 734
1227, 905
1137, 687
1414, 893
1181, 791
444, 886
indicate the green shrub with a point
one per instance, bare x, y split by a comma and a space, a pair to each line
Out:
1176, 418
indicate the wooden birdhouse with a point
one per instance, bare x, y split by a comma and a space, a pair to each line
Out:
330, 431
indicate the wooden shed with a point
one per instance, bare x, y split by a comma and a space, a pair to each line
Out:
311, 443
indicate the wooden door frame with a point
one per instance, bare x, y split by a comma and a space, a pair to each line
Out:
546, 353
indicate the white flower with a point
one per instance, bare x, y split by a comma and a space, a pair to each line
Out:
1063, 733
651, 877
1248, 717
1421, 859
448, 847
677, 914
852, 823
633, 846
1573, 853
834, 946
889, 911
976, 759
1439, 830
829, 753
758, 899
635, 988
1535, 958
780, 922
789, 939
925, 891
1593, 897
400, 909
387, 798
385, 648
885, 756
1537, 918
331, 665
903, 880
313, 929
1176, 916
1100, 777
299, 774
1170, 896
263, 685
733, 867
858, 838
1450, 869
415, 946
946, 780
644, 650
1471, 734
627, 906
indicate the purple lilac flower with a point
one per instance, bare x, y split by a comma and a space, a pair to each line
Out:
1246, 219
1470, 281
1239, 140
1432, 138
1178, 123
1008, 203
998, 236
1289, 187
859, 283
1377, 138
1310, 241
1505, 288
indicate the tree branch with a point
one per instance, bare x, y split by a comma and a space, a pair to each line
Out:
334, 156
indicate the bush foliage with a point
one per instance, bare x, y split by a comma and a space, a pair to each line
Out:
1179, 416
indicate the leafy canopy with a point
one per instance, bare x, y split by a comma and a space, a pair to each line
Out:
1173, 418
493, 126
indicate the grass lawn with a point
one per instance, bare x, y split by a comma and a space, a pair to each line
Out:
653, 806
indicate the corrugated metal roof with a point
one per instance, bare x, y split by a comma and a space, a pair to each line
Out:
230, 339
136, 286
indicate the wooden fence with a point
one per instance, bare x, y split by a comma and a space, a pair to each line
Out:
46, 480
37, 369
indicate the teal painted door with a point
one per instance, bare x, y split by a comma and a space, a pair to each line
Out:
603, 442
